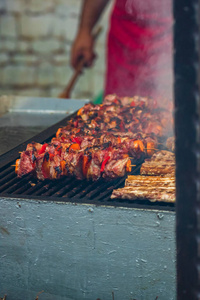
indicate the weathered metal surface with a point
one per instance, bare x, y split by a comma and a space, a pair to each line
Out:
187, 124
85, 252
14, 104
23, 117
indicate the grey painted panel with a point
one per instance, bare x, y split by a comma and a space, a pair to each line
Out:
85, 252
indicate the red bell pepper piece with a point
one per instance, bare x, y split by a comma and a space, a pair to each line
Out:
51, 155
58, 132
17, 163
58, 150
42, 149
104, 163
128, 166
45, 169
109, 149
132, 103
80, 111
62, 165
76, 140
138, 146
75, 146
85, 165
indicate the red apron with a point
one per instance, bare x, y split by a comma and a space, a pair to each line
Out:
139, 52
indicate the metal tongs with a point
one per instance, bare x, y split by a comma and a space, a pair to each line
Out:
79, 70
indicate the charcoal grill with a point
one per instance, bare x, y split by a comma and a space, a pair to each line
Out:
65, 189
49, 227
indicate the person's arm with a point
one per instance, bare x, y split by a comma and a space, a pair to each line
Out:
83, 44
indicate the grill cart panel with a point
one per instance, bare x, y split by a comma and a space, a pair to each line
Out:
82, 251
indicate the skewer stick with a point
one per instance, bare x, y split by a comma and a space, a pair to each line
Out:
151, 149
13, 165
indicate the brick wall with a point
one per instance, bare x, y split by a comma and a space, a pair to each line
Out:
35, 43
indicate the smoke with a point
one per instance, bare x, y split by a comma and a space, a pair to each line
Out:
142, 7
155, 18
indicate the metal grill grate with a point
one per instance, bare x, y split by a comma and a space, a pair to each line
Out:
62, 190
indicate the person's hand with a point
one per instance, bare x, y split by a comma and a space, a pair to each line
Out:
82, 48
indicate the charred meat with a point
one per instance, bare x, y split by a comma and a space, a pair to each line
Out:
100, 141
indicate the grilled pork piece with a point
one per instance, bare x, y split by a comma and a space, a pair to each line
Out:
163, 155
153, 169
26, 163
151, 193
161, 163
153, 188
115, 168
155, 181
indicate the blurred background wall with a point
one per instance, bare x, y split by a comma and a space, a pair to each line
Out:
35, 43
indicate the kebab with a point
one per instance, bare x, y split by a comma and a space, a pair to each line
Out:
89, 164
115, 118
90, 129
65, 156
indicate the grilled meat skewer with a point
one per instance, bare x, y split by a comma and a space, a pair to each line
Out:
98, 141
89, 163
66, 148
